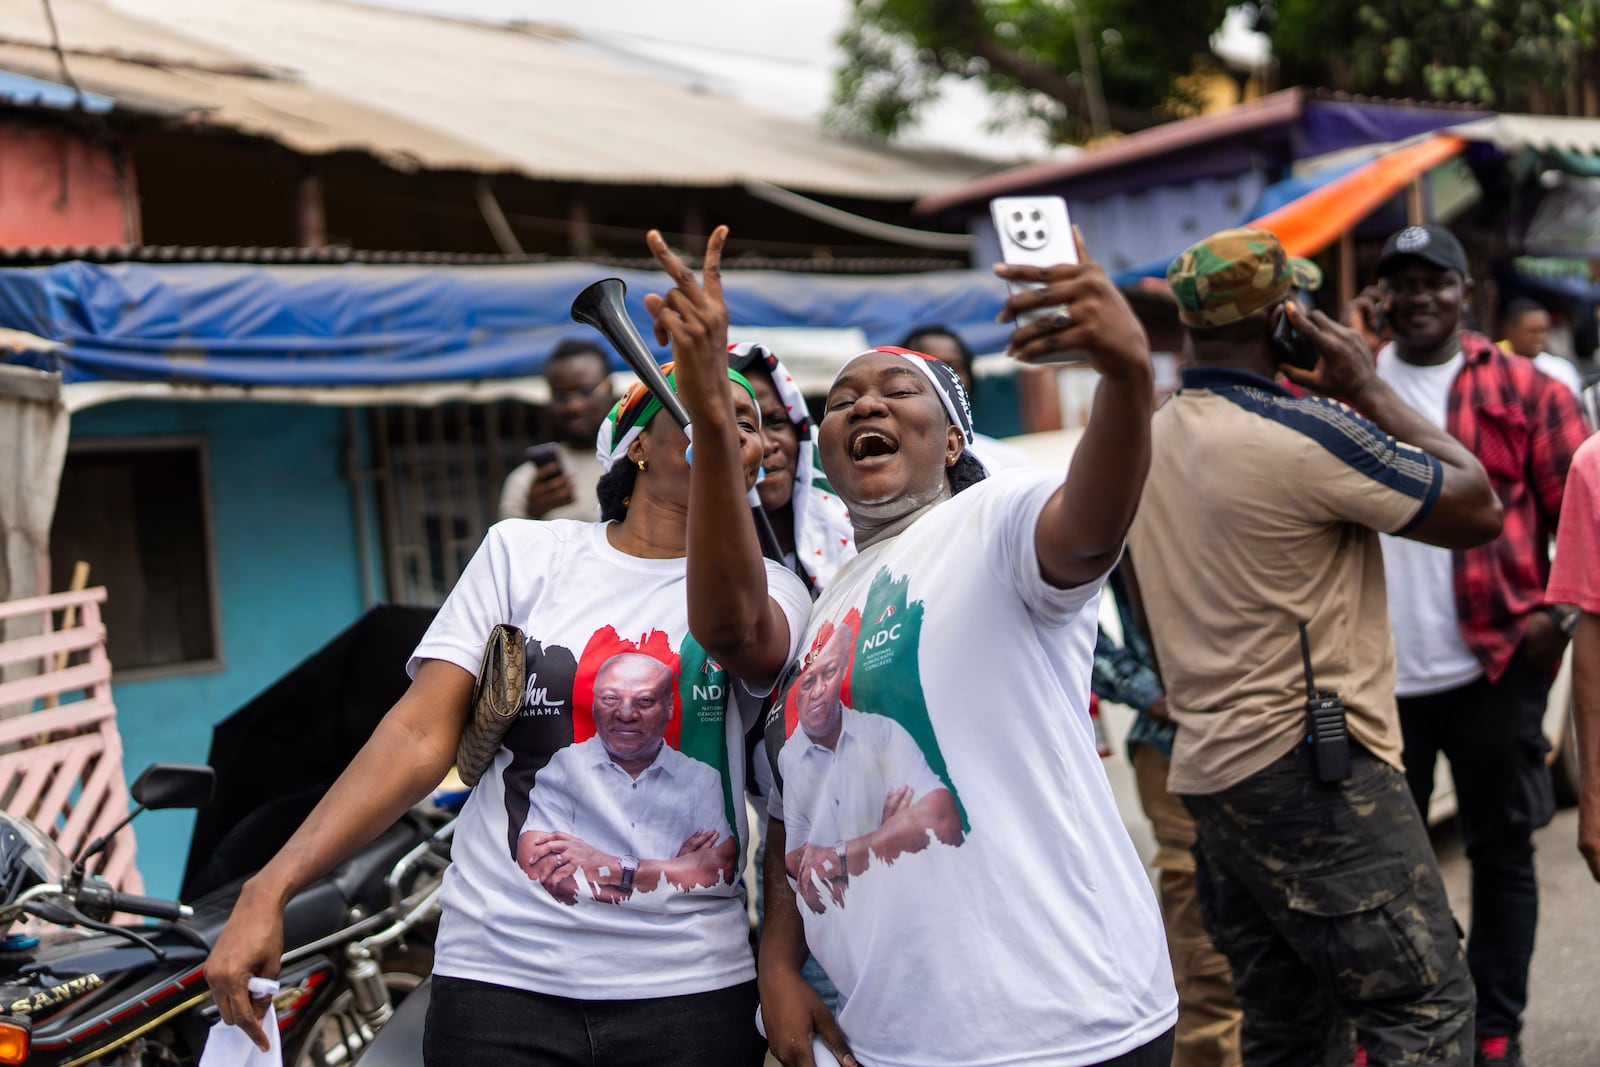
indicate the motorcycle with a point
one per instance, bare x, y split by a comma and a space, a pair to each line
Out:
79, 989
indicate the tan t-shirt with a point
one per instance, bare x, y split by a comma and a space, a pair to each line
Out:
1262, 511
582, 465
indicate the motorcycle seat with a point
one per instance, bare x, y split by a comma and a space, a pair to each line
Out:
324, 906
360, 879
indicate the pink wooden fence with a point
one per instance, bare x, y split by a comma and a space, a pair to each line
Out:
62, 766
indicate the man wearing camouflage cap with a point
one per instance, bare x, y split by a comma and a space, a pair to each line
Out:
1305, 276
1259, 522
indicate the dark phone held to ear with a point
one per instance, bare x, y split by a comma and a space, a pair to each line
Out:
1292, 348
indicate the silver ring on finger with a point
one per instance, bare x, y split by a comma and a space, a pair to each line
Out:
1061, 318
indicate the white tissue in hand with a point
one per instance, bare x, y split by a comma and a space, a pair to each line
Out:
227, 1046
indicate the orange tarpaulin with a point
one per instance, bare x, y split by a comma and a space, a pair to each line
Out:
1316, 220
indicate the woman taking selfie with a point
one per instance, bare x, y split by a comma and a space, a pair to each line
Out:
591, 914
944, 831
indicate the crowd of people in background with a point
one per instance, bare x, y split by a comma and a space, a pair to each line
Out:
1337, 527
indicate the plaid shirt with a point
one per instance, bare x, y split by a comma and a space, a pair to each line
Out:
1524, 427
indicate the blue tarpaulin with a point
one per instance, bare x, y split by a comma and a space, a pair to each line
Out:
319, 326
23, 91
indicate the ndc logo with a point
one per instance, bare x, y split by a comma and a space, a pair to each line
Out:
714, 690
882, 637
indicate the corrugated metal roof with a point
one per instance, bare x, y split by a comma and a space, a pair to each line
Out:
452, 94
1278, 109
38, 255
1511, 133
31, 92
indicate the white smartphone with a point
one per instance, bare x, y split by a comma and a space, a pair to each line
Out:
1034, 231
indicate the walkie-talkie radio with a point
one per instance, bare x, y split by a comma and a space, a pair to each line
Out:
1326, 735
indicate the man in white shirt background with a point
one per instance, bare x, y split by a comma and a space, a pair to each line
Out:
1526, 326
579, 376
1476, 645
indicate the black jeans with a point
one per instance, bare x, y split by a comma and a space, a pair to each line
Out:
1327, 901
1492, 735
473, 1024
1157, 1053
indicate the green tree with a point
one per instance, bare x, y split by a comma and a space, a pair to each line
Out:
1026, 52
1507, 54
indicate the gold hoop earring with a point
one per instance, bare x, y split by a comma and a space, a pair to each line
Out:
644, 464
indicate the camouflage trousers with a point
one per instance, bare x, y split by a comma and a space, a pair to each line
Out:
1328, 904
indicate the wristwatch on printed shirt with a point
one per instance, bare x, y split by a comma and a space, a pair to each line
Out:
630, 867
840, 851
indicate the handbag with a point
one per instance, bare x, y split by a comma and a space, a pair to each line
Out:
496, 700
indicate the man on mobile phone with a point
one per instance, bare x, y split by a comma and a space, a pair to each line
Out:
561, 484
1260, 516
1476, 641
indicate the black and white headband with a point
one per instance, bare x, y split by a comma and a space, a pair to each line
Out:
945, 381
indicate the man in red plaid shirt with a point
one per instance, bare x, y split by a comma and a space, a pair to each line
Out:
1476, 644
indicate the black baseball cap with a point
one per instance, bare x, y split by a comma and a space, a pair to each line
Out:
1432, 244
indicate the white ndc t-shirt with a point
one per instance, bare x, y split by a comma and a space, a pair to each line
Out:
580, 601
1431, 656
1025, 930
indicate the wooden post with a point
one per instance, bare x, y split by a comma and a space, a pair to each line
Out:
495, 219
1347, 268
694, 226
1416, 204
311, 218
1039, 399
580, 234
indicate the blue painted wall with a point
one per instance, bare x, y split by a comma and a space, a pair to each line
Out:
288, 573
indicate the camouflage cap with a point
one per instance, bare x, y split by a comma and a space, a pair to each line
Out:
1307, 275
1229, 276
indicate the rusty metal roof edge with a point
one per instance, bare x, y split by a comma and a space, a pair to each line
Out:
1279, 108
41, 255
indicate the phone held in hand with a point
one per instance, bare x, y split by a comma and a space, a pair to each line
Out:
543, 455
1291, 346
1034, 231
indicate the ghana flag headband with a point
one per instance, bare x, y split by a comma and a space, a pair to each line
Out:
945, 382
634, 411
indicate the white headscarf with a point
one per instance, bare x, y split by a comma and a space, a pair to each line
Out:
824, 540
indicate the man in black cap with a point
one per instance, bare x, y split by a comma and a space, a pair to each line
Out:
1476, 644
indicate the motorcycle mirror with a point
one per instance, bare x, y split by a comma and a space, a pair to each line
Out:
174, 785
162, 785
